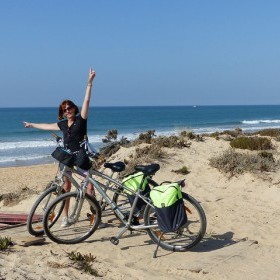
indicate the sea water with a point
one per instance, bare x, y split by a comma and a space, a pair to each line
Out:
22, 146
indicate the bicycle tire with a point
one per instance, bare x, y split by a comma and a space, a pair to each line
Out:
85, 223
185, 237
36, 214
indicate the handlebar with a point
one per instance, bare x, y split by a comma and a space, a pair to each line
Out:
57, 138
90, 151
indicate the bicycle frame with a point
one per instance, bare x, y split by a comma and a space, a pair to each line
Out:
100, 188
81, 187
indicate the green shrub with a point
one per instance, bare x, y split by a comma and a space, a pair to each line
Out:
233, 163
184, 170
272, 132
214, 134
251, 143
267, 155
5, 243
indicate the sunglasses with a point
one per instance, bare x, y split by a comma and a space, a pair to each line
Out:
67, 109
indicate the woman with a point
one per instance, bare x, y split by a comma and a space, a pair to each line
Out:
74, 128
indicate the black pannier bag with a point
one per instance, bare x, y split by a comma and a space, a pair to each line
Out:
69, 159
169, 207
82, 160
133, 182
63, 156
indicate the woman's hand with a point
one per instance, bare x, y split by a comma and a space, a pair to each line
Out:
27, 124
84, 111
91, 76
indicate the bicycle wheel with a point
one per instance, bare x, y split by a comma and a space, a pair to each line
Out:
83, 221
35, 217
186, 236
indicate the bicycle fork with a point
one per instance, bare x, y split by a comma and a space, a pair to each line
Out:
76, 210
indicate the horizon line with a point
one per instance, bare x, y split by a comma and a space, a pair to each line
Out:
131, 106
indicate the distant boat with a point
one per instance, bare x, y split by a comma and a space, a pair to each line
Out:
194, 106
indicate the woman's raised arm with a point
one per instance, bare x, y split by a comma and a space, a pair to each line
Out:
84, 111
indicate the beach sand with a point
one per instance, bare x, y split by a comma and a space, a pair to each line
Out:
241, 240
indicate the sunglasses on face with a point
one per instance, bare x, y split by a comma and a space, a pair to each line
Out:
67, 109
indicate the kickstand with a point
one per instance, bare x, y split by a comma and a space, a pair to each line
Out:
155, 252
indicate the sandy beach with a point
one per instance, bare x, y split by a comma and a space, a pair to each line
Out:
241, 240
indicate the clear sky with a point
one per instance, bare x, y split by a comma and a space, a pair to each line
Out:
148, 52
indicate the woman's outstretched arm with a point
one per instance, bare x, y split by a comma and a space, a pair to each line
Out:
43, 126
84, 111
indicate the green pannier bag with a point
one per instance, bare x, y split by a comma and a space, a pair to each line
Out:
133, 182
169, 207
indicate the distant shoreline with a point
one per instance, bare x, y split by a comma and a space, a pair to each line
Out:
27, 163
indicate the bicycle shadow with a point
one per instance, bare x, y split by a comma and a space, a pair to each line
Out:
129, 234
207, 244
216, 241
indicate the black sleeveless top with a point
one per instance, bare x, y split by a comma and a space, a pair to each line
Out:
74, 134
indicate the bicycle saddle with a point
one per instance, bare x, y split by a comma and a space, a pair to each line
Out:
148, 169
118, 166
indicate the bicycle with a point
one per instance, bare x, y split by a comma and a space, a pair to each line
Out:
55, 189
85, 222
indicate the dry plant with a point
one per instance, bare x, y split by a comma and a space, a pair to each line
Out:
83, 262
230, 133
170, 142
10, 199
232, 163
144, 155
271, 132
112, 135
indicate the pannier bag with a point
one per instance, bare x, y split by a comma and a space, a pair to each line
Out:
133, 182
69, 159
82, 160
169, 207
63, 156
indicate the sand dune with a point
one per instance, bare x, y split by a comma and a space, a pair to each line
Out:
241, 240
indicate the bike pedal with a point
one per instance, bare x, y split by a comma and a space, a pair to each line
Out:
114, 240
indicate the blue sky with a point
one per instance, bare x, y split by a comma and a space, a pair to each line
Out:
148, 52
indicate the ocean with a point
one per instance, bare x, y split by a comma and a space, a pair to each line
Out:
21, 146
